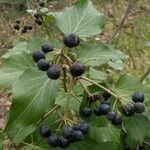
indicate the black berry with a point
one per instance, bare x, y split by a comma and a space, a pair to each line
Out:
18, 21
71, 40
78, 135
128, 110
37, 55
16, 27
67, 132
111, 115
28, 27
41, 4
45, 131
24, 30
104, 109
37, 16
76, 127
139, 107
84, 127
138, 97
87, 112
43, 65
105, 102
77, 69
47, 48
97, 111
117, 121
63, 142
38, 21
106, 94
53, 72
53, 140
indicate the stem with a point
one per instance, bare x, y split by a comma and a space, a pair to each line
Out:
146, 142
47, 114
74, 96
114, 105
67, 59
70, 120
35, 147
85, 88
102, 87
64, 79
145, 75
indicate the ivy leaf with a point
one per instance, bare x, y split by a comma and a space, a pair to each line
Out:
17, 49
137, 126
33, 96
15, 65
105, 134
97, 75
82, 19
128, 84
35, 43
98, 54
118, 64
64, 99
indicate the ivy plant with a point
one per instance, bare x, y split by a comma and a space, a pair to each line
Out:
64, 89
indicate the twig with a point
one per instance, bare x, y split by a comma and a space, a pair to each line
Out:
47, 114
64, 79
145, 75
128, 10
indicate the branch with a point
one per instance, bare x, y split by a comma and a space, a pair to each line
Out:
131, 4
145, 75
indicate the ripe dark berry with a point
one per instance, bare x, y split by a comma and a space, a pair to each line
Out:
84, 127
67, 132
104, 109
37, 55
139, 107
36, 16
53, 140
38, 21
18, 21
45, 131
138, 97
71, 40
47, 48
128, 110
41, 4
106, 95
53, 72
43, 65
24, 30
97, 111
63, 142
77, 69
105, 102
78, 135
28, 27
117, 121
16, 27
111, 115
87, 112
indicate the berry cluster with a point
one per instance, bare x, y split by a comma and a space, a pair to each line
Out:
24, 29
103, 109
138, 106
68, 134
53, 71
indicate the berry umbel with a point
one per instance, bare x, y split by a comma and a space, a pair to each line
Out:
71, 40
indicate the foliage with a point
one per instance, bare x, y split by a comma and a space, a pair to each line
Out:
35, 96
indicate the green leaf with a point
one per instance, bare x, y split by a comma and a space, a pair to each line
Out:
137, 126
33, 96
98, 54
17, 49
97, 75
64, 99
105, 134
15, 65
35, 43
118, 65
1, 140
82, 19
128, 84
